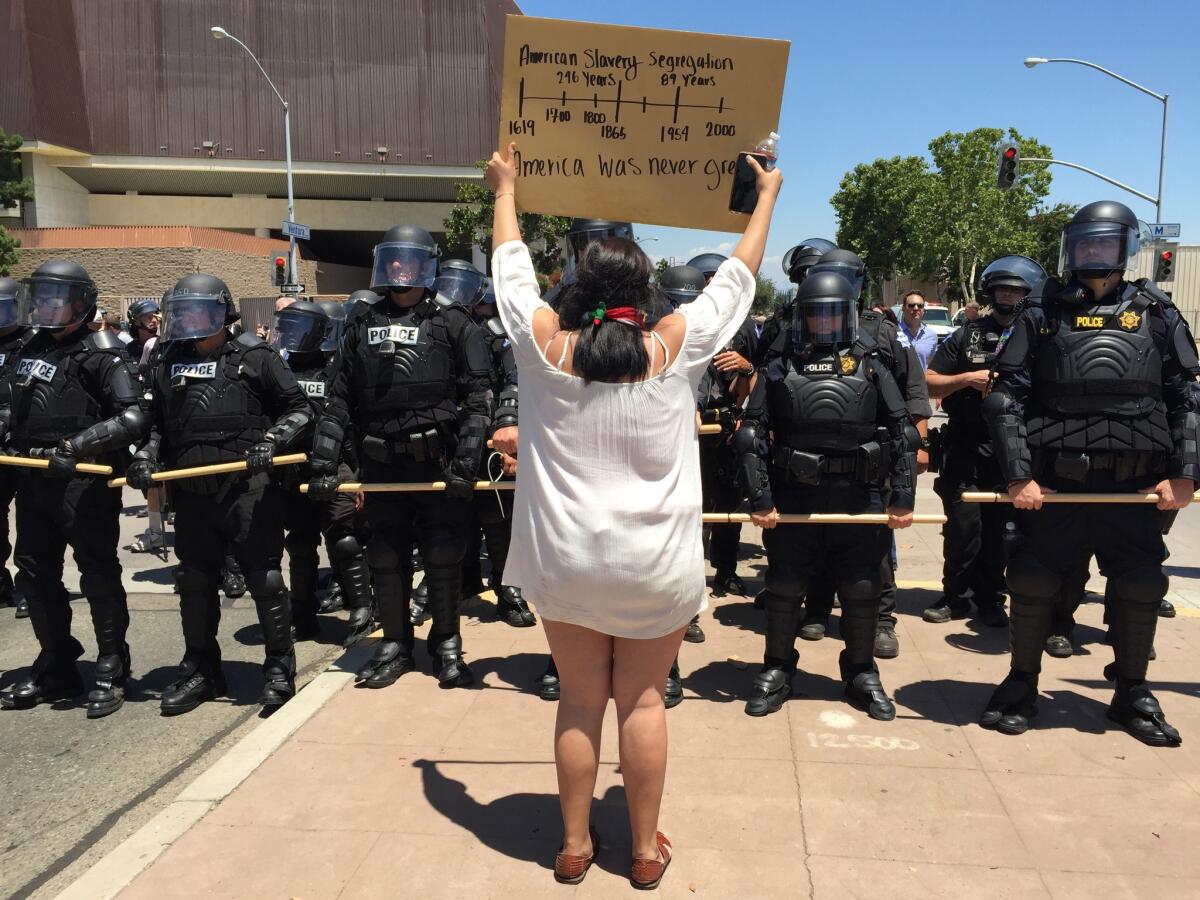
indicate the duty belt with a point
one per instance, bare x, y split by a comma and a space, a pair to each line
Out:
419, 446
1123, 464
801, 467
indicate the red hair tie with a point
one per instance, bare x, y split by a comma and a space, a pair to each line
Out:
628, 314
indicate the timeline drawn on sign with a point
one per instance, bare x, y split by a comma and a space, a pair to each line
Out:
596, 100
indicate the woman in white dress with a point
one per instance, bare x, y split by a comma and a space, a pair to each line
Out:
606, 525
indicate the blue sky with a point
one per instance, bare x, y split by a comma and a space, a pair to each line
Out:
871, 79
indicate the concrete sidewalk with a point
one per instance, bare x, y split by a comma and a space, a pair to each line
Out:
417, 792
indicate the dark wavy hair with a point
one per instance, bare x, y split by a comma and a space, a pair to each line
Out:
614, 272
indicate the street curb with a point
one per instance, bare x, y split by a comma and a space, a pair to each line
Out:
121, 865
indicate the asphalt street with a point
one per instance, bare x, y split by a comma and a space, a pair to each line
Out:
72, 789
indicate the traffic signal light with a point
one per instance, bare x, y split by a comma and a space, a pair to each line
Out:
1007, 166
280, 271
1164, 262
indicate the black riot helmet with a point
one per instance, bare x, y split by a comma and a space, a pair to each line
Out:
1009, 271
301, 327
826, 312
588, 231
405, 258
459, 282
682, 284
487, 295
1099, 240
57, 295
808, 252
707, 263
197, 307
845, 263
10, 298
145, 307
337, 324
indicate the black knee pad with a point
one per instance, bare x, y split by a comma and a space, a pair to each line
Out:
383, 556
785, 583
191, 579
860, 587
95, 585
344, 549
1145, 584
442, 551
265, 582
780, 604
1029, 579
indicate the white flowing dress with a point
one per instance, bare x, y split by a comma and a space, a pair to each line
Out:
606, 520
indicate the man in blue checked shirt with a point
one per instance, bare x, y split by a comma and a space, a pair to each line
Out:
919, 335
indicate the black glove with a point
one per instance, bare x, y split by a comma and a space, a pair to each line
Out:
322, 487
460, 483
260, 457
139, 472
62, 461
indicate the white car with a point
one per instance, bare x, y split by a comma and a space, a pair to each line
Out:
937, 318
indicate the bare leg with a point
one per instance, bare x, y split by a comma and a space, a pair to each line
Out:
638, 677
584, 659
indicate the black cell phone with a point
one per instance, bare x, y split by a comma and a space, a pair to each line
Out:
744, 195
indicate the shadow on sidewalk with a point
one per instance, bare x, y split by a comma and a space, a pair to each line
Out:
951, 702
520, 671
525, 826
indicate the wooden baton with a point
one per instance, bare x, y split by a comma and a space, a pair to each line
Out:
991, 497
30, 462
824, 518
288, 459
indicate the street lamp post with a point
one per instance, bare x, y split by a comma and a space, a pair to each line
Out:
220, 33
1032, 61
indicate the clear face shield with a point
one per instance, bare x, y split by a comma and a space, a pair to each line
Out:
333, 337
297, 332
459, 286
10, 308
400, 266
852, 273
827, 321
190, 317
1096, 249
485, 306
53, 305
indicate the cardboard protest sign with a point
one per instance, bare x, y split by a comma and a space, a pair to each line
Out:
635, 124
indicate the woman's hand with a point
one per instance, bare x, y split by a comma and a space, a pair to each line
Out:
501, 173
766, 182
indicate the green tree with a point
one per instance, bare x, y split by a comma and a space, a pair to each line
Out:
873, 203
12, 189
659, 267
470, 222
961, 220
766, 297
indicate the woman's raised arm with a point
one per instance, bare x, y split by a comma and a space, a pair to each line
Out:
501, 177
754, 239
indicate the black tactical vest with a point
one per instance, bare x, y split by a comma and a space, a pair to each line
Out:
10, 350
981, 338
1097, 381
314, 378
403, 365
824, 402
211, 409
50, 401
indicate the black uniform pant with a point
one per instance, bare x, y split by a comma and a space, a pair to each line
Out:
249, 517
973, 536
83, 513
490, 518
718, 480
853, 555
305, 523
1048, 548
398, 522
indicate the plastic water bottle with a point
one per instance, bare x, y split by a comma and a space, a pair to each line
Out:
743, 196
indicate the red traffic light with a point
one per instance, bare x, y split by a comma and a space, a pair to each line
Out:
280, 261
1010, 153
1166, 256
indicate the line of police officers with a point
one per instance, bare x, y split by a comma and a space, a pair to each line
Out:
1087, 384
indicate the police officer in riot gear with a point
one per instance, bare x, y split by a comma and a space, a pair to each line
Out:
409, 362
72, 396
583, 232
973, 537
12, 336
796, 263
216, 399
302, 332
841, 432
1094, 392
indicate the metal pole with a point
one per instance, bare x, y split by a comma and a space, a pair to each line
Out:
1162, 158
1100, 175
287, 132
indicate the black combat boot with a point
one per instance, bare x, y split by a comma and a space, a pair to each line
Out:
1013, 704
448, 663
548, 685
389, 662
1136, 710
1166, 609
772, 686
419, 605
279, 687
332, 601
992, 614
50, 679
945, 610
512, 608
694, 634
198, 682
22, 604
673, 695
355, 578
864, 689
233, 584
112, 673
729, 583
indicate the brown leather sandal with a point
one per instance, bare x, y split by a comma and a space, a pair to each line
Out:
570, 869
647, 873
